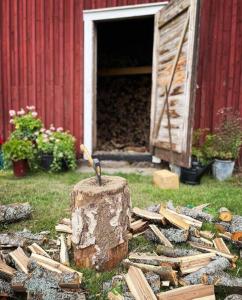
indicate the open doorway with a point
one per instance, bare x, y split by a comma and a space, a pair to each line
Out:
124, 73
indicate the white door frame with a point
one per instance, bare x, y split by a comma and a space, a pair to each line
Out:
90, 56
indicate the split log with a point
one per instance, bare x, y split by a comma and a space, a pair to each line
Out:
153, 280
189, 264
221, 278
237, 236
231, 257
175, 220
201, 241
162, 239
5, 289
66, 221
154, 208
236, 223
175, 235
148, 215
198, 291
20, 239
138, 226
201, 206
225, 215
207, 234
6, 271
138, 284
99, 212
64, 256
154, 260
201, 275
222, 226
220, 245
15, 212
193, 231
195, 214
20, 259
63, 228
166, 273
35, 248
175, 252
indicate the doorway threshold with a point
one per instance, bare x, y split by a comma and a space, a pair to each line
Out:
123, 156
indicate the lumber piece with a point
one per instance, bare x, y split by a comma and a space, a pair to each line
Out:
154, 260
35, 248
6, 271
175, 220
64, 256
138, 226
116, 296
207, 234
20, 259
63, 228
220, 245
175, 252
138, 284
231, 257
236, 223
45, 261
202, 241
189, 220
193, 263
148, 215
225, 215
165, 272
195, 214
15, 212
198, 291
200, 276
221, 278
161, 237
201, 206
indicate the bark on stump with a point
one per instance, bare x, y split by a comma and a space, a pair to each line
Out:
100, 221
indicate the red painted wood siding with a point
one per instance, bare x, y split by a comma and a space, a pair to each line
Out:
41, 59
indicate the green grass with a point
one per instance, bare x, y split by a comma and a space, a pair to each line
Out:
49, 196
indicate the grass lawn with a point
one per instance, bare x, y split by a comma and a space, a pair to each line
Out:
49, 196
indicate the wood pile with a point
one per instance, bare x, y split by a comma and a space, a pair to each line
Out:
188, 262
120, 101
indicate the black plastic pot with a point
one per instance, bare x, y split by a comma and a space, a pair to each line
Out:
46, 161
194, 174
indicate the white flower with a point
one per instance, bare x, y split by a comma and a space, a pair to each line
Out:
60, 154
45, 136
59, 129
12, 113
51, 138
42, 130
48, 132
36, 133
11, 121
34, 114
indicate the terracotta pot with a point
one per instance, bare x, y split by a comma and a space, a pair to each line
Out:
20, 167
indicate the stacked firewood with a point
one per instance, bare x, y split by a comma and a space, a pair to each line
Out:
188, 262
123, 112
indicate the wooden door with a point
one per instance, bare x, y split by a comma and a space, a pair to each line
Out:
174, 81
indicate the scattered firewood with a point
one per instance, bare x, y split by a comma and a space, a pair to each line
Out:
138, 284
20, 259
176, 220
5, 289
221, 278
63, 228
195, 214
193, 231
69, 281
154, 208
35, 248
226, 235
166, 273
237, 236
147, 215
193, 263
236, 223
5, 270
223, 227
64, 256
232, 257
198, 291
175, 235
66, 221
225, 215
138, 226
154, 281
163, 240
201, 241
220, 245
201, 206
15, 212
154, 260
116, 296
200, 276
175, 252
207, 234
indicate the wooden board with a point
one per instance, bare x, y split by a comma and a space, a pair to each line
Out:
148, 215
174, 62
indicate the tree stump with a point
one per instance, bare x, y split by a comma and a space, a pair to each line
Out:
100, 221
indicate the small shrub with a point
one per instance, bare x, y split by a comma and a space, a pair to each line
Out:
15, 149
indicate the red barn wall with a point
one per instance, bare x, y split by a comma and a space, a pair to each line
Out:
41, 59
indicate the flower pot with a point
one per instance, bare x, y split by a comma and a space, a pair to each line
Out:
222, 169
46, 161
194, 174
20, 167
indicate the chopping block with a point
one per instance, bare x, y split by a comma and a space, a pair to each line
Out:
100, 222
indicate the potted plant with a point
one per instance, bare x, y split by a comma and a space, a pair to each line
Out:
201, 158
57, 149
18, 151
227, 141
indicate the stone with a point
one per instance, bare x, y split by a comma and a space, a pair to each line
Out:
166, 180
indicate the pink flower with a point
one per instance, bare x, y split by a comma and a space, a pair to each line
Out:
59, 129
42, 130
32, 107
34, 114
12, 113
52, 128
11, 121
21, 112
48, 132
